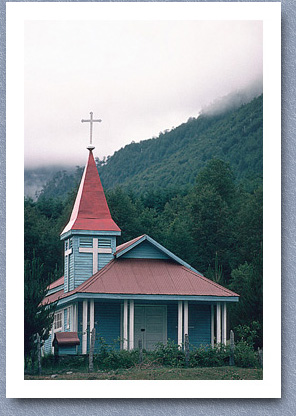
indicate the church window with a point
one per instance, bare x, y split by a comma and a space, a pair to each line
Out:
69, 311
58, 321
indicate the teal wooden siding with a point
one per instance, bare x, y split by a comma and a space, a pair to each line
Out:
104, 259
107, 323
79, 326
172, 322
199, 324
67, 350
80, 266
145, 250
71, 272
83, 264
108, 315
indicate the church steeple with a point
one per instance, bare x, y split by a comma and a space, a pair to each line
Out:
90, 235
90, 211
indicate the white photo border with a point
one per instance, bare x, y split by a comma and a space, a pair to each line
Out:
269, 13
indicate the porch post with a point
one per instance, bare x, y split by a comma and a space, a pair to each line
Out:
84, 327
185, 318
218, 337
212, 325
52, 337
75, 317
180, 307
131, 325
91, 317
125, 335
224, 323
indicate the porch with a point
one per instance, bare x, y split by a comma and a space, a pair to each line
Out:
123, 322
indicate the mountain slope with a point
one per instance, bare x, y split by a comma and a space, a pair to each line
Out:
175, 157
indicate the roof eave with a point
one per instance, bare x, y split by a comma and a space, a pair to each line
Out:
121, 296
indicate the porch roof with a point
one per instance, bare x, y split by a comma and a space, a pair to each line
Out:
147, 277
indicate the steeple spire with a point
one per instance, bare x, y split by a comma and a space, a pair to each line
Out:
90, 211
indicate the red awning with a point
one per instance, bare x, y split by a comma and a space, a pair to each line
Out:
66, 338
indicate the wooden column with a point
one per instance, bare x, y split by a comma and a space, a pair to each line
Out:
125, 322
218, 337
84, 327
212, 325
180, 322
52, 337
131, 325
224, 323
91, 318
185, 319
75, 317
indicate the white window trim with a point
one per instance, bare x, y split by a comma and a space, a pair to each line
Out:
61, 328
69, 322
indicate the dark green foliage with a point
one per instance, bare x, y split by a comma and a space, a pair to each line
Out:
169, 354
111, 358
245, 356
61, 184
209, 357
37, 318
247, 280
249, 333
176, 156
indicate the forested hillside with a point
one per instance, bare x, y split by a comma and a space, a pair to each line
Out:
175, 157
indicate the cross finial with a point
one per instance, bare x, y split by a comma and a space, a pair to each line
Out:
91, 121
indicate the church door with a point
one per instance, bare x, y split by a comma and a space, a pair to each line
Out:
150, 325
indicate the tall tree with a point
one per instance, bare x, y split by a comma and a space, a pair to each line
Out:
38, 318
212, 215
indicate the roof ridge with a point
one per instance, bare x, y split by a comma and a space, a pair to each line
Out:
128, 243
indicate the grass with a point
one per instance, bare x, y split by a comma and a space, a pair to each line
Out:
155, 373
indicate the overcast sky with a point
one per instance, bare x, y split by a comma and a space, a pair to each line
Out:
140, 78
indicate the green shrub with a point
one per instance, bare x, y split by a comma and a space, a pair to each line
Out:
245, 356
249, 333
116, 359
111, 358
169, 354
207, 356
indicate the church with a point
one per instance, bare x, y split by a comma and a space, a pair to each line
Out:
138, 290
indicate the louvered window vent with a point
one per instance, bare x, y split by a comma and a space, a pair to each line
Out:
85, 242
106, 243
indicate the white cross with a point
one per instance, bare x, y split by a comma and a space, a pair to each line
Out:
95, 250
91, 121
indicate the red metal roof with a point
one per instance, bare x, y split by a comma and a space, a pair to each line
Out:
53, 297
56, 283
66, 338
127, 244
149, 277
90, 211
